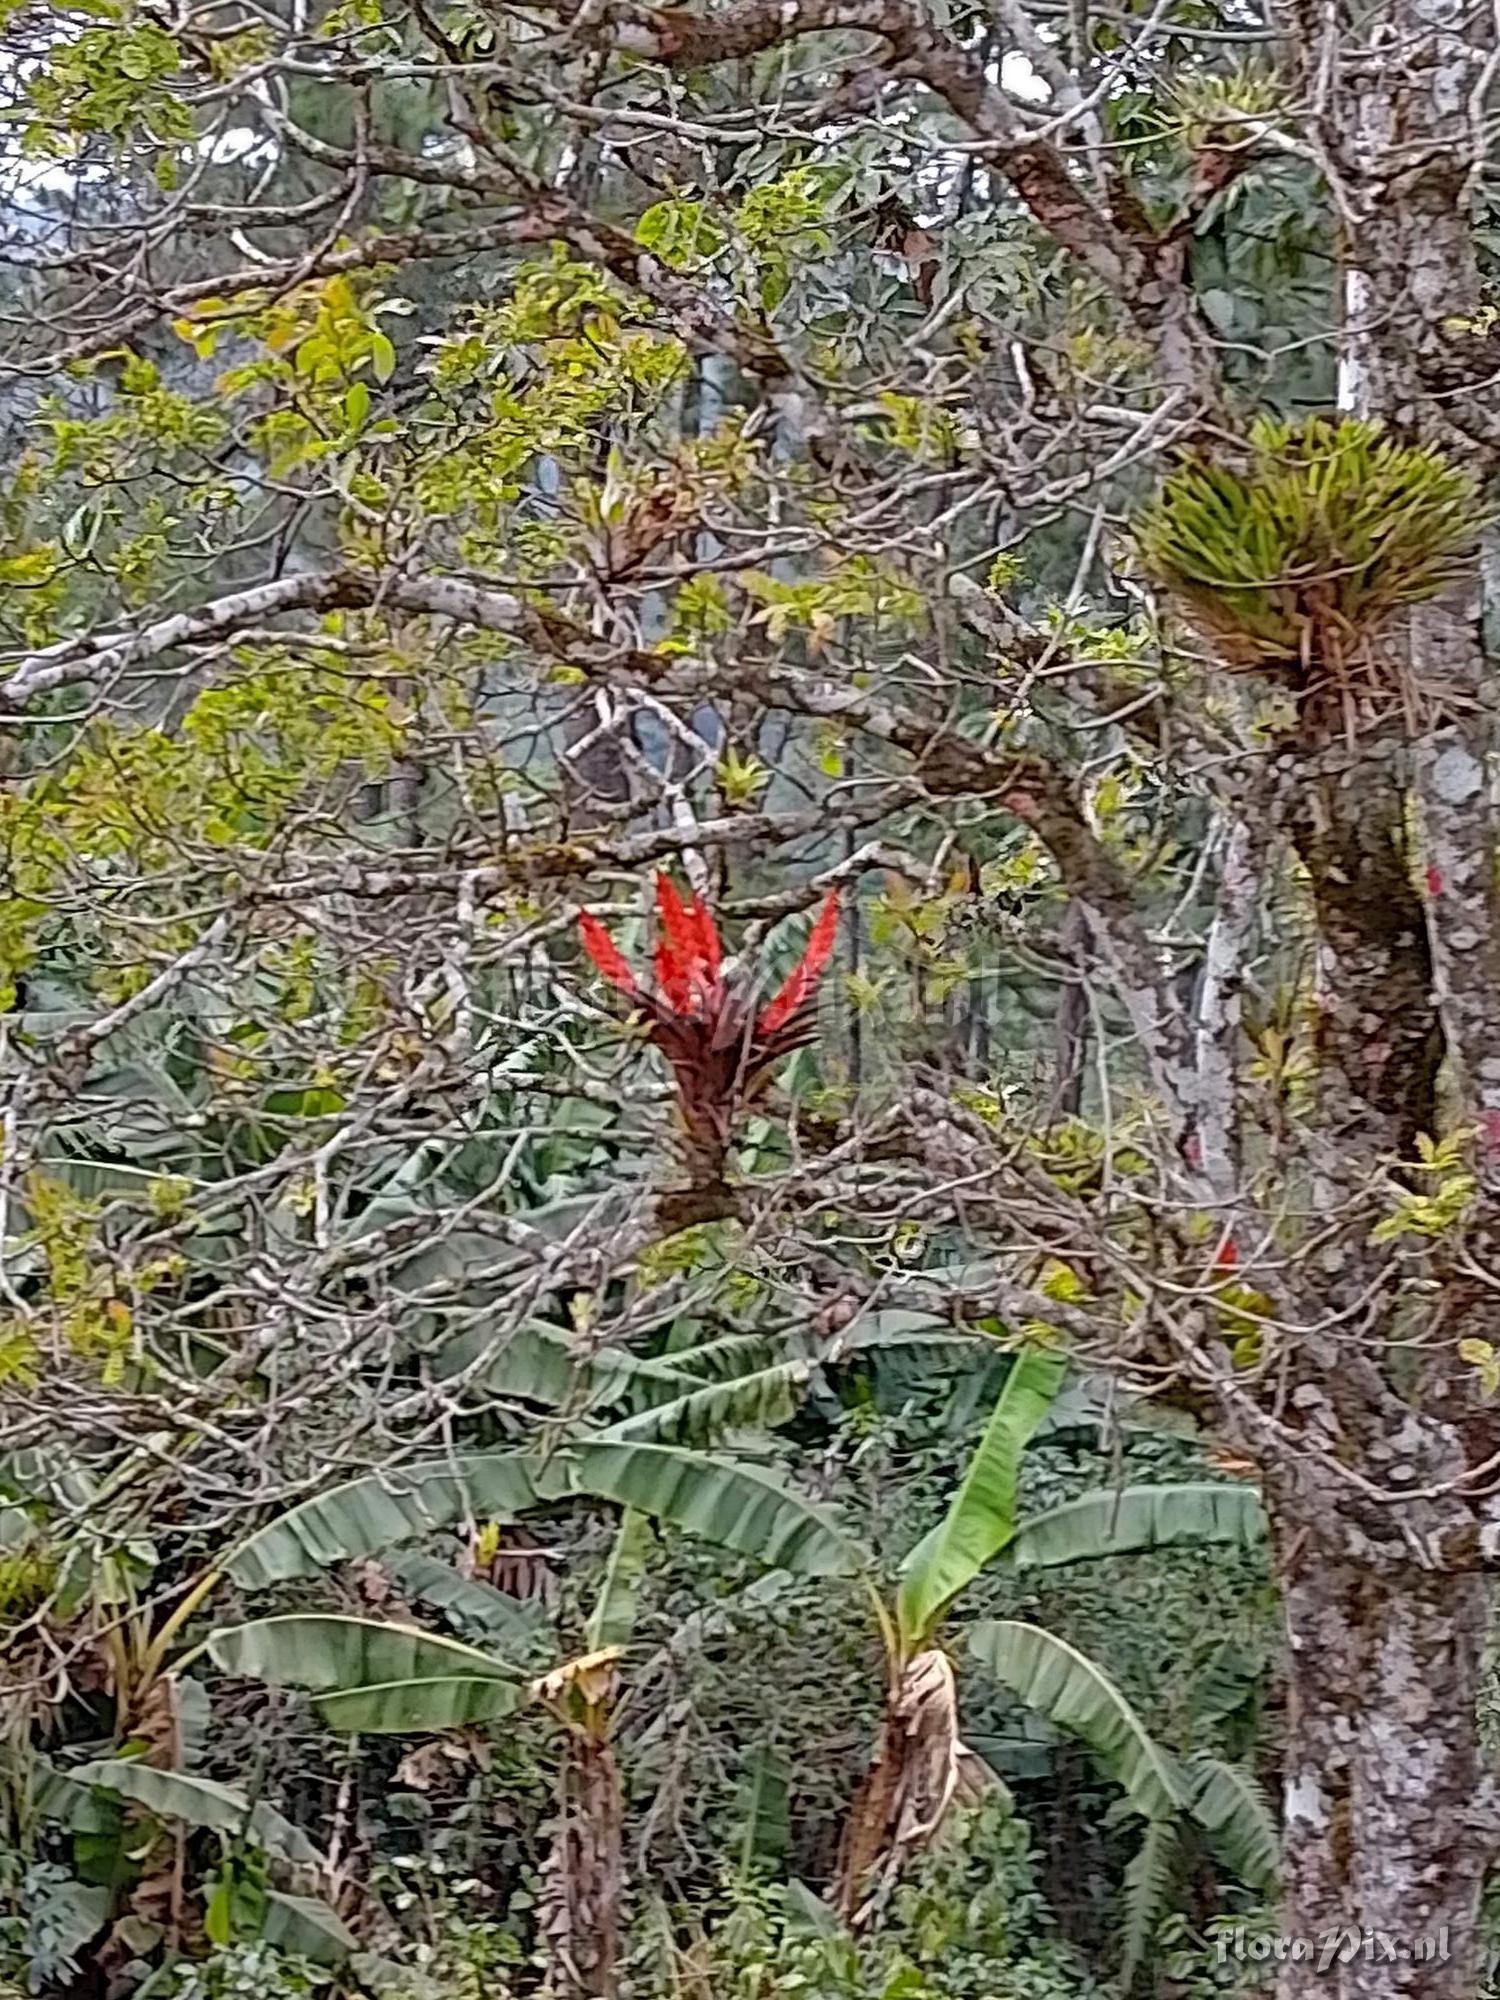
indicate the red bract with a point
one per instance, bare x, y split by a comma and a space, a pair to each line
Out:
721, 1049
605, 953
804, 974
687, 953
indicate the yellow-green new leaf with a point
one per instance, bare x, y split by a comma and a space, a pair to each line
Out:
982, 1516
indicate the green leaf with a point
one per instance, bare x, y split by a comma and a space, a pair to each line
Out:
539, 1363
1231, 1809
981, 1518
368, 1515
1150, 1883
1138, 1518
1226, 1679
382, 357
725, 1359
612, 1621
759, 1401
372, 1676
199, 1802
761, 1806
236, 1908
476, 1608
306, 1928
808, 1913
54, 1794
1066, 1687
69, 1914
735, 1506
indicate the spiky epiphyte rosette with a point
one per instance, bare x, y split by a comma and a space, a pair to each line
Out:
711, 1026
1293, 561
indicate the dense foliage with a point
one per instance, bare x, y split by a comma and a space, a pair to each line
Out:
748, 972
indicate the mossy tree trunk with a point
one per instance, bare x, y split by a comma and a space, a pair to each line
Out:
1390, 1822
1386, 1841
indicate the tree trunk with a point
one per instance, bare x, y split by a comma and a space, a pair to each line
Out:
584, 1883
1385, 1851
916, 1772
1070, 1042
1389, 1827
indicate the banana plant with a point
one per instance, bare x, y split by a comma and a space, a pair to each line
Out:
61, 1572
129, 1807
919, 1761
693, 1395
370, 1675
920, 1764
104, 1804
583, 1882
1063, 1685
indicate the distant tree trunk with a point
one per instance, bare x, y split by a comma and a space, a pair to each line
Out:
1071, 1035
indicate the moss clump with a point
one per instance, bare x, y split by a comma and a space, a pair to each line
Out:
1295, 558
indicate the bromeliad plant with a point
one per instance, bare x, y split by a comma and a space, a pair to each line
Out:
707, 1017
1293, 561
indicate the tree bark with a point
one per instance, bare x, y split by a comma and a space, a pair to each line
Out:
584, 1878
1389, 1831
1385, 1849
1071, 1036
1388, 1834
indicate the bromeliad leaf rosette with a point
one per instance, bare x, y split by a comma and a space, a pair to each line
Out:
708, 1019
1295, 560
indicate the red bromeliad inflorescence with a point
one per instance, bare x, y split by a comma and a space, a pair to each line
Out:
721, 1046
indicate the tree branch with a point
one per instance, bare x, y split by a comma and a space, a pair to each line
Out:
1143, 271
